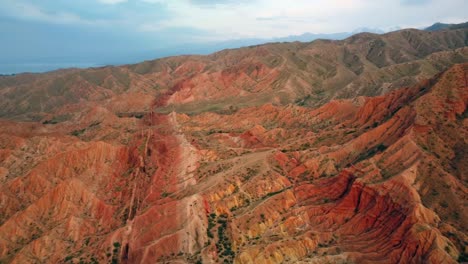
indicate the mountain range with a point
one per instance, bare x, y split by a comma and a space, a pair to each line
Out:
330, 151
14, 62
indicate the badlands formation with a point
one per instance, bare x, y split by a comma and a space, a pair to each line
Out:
350, 151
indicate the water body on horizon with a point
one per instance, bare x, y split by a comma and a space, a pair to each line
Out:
38, 67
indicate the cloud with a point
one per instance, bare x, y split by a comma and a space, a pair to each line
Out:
255, 19
114, 14
272, 18
155, 1
230, 19
213, 3
27, 11
112, 2
415, 2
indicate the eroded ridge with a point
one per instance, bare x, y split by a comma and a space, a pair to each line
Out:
361, 180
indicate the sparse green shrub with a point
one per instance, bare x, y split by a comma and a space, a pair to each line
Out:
444, 204
78, 132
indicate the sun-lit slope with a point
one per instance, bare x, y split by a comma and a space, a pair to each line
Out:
369, 180
362, 180
280, 73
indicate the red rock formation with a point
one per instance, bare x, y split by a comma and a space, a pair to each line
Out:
363, 180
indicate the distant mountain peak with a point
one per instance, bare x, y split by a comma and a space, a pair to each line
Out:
441, 26
369, 30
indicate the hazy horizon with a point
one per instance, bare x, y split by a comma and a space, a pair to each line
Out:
48, 35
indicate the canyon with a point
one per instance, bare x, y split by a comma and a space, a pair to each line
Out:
351, 151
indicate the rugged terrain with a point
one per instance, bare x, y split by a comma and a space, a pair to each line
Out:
350, 151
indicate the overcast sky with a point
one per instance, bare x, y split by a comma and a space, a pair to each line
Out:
32, 28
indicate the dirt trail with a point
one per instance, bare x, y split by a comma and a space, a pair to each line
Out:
191, 212
187, 214
188, 156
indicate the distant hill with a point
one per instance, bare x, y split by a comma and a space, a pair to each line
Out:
14, 64
311, 73
441, 26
